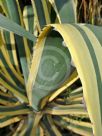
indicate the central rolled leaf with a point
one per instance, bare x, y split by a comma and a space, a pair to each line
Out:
52, 68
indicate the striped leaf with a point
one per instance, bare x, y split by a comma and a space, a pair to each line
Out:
78, 127
65, 10
59, 109
30, 23
20, 109
8, 120
42, 15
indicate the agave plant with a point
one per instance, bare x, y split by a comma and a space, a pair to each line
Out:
50, 70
